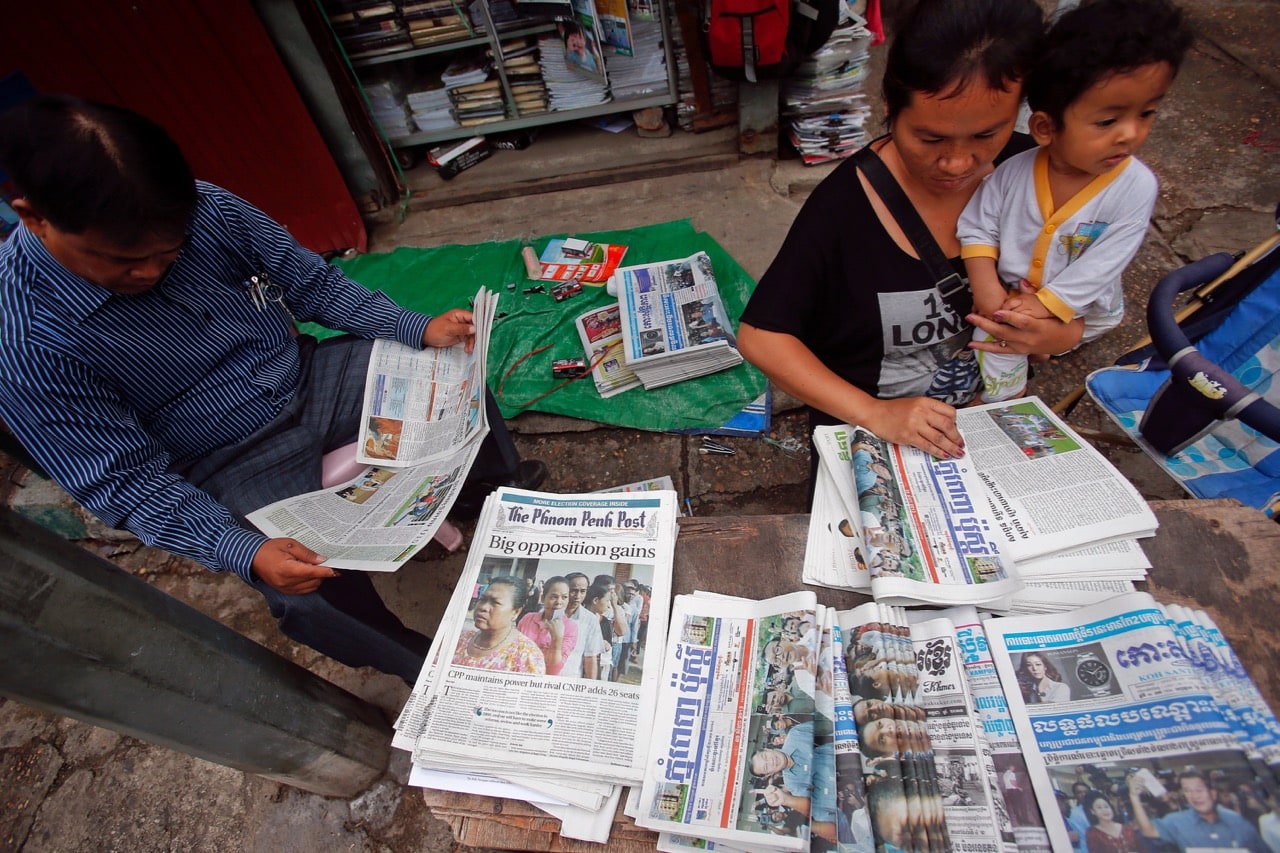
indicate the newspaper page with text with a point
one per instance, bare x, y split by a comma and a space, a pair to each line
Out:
505, 692
925, 531
422, 404
1049, 489
1109, 705
739, 674
383, 515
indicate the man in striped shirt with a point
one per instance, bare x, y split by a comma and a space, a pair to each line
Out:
145, 372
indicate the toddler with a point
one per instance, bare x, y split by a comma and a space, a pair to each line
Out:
1051, 230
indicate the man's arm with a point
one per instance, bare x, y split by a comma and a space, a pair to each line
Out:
1140, 816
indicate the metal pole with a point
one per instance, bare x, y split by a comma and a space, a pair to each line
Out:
86, 640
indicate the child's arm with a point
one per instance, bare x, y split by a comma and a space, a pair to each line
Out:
1027, 304
988, 293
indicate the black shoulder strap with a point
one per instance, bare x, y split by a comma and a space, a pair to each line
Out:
949, 282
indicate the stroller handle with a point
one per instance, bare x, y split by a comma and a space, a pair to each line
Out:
1202, 382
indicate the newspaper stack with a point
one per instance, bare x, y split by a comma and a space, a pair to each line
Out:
600, 331
1031, 519
424, 418
823, 99
643, 70
503, 698
674, 324
748, 685
1148, 706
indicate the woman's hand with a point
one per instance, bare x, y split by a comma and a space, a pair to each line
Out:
920, 422
452, 327
1017, 332
555, 627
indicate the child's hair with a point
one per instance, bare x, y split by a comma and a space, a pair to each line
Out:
1100, 38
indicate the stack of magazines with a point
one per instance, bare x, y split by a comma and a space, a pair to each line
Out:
781, 725
823, 99
674, 324
520, 687
1030, 519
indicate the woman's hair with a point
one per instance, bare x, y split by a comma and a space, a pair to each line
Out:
89, 166
519, 591
944, 44
1050, 670
1091, 798
1098, 39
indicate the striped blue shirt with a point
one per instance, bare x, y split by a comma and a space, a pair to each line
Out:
107, 392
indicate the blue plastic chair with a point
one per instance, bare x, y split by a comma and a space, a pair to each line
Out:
1202, 399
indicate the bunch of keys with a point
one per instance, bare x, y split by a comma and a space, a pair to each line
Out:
263, 291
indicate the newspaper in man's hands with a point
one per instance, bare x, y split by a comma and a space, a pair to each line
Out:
424, 416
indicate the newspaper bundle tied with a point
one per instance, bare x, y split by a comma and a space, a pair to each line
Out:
424, 420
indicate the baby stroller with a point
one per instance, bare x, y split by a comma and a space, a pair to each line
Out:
1201, 398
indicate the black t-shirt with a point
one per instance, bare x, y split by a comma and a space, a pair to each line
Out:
868, 310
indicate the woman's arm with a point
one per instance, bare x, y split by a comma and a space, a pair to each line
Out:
918, 421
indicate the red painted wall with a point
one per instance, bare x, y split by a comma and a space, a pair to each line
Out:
207, 71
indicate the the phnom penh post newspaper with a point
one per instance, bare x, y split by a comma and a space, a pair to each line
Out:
506, 710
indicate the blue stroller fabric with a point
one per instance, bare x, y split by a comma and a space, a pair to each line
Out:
1231, 459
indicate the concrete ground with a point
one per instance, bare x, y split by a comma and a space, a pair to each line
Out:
67, 786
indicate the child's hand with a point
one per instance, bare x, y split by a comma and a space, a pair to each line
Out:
988, 304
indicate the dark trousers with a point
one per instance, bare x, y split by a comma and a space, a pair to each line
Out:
346, 618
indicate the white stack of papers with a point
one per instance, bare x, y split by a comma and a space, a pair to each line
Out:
823, 97
567, 88
644, 71
431, 109
674, 324
1032, 514
501, 696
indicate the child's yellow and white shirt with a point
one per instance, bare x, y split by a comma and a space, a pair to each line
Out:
1072, 256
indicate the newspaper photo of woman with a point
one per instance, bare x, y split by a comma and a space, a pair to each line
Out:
1040, 680
495, 643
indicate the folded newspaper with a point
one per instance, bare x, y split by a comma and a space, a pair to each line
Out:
527, 699
1031, 517
674, 323
424, 418
1143, 708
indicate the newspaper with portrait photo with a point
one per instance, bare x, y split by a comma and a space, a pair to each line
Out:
540, 672
1139, 727
742, 748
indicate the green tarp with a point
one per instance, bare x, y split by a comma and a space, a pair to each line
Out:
433, 280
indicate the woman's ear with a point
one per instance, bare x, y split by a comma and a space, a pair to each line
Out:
1042, 127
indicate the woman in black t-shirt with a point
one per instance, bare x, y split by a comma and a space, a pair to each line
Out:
847, 318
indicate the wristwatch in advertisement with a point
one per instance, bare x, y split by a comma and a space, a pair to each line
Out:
1093, 673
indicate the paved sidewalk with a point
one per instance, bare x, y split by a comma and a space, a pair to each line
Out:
67, 786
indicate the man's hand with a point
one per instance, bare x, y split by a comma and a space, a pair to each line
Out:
452, 327
290, 567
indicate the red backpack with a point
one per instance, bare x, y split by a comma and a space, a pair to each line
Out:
755, 39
